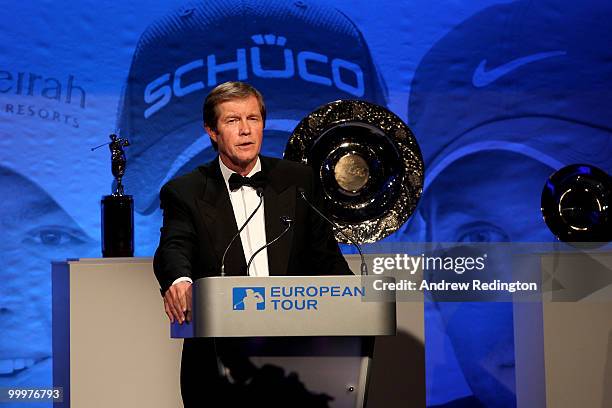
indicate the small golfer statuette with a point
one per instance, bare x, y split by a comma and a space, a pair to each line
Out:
118, 161
117, 208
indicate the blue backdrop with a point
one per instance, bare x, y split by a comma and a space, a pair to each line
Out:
499, 95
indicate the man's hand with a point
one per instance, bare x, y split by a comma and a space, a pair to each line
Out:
177, 302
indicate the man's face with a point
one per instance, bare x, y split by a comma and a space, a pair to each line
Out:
239, 133
467, 204
35, 230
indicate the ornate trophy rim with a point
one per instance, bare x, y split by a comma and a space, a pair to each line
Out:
410, 179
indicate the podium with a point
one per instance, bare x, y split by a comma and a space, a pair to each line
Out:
112, 344
316, 330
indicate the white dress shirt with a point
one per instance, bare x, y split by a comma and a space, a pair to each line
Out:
253, 236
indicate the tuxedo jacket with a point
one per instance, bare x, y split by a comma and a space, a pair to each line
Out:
199, 222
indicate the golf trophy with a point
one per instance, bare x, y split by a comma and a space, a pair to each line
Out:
117, 208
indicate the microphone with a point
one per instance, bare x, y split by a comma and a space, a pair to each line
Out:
288, 221
259, 191
364, 266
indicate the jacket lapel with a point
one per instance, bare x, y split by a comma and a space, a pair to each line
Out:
219, 220
279, 200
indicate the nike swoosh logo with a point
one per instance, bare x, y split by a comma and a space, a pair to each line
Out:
482, 77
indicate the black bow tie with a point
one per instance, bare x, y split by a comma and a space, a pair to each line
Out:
256, 180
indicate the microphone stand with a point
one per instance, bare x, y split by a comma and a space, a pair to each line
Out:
285, 220
237, 234
364, 266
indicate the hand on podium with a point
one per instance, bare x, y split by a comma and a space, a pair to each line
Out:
177, 302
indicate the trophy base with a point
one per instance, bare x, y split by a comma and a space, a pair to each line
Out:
117, 226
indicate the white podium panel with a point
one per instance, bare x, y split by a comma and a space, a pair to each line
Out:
111, 344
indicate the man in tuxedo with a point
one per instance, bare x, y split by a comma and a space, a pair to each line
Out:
203, 210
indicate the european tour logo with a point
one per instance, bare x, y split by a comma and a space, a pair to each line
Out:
253, 298
289, 298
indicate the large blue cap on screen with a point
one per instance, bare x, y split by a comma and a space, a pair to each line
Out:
298, 54
530, 77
